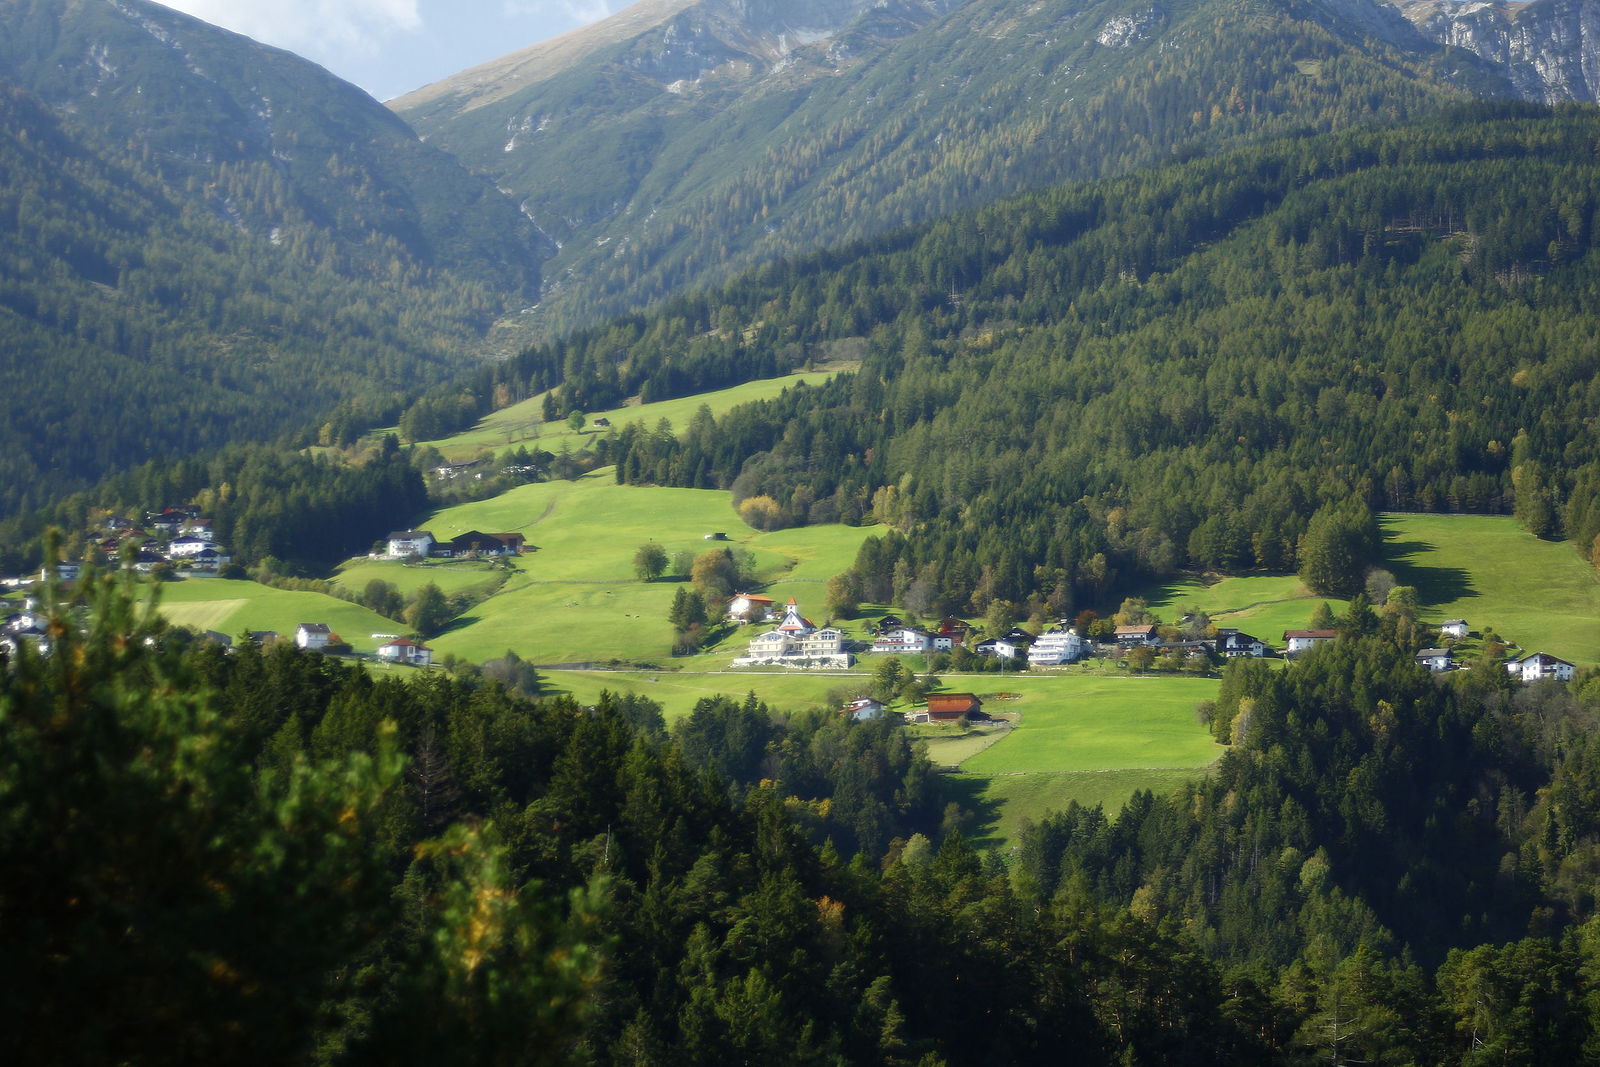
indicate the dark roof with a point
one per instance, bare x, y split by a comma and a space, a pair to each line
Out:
1317, 635
314, 627
1543, 657
410, 535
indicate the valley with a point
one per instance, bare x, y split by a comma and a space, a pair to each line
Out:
572, 605
905, 532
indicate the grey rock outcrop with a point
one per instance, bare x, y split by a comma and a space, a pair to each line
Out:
1550, 49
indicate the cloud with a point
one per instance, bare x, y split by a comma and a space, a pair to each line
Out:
311, 27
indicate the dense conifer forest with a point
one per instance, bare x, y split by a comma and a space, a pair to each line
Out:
1225, 363
262, 855
1179, 369
211, 242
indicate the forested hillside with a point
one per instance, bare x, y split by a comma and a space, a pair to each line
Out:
669, 159
262, 856
1181, 368
211, 241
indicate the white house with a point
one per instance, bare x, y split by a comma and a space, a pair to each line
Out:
1435, 659
1234, 644
903, 640
1055, 647
1456, 628
863, 710
312, 635
403, 650
1297, 641
188, 545
1007, 648
201, 528
1540, 665
209, 559
404, 543
750, 607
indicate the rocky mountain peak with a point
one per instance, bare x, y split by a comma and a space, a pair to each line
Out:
1550, 48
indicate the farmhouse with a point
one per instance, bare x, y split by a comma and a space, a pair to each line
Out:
1540, 665
948, 707
1435, 659
1056, 647
903, 640
750, 607
1456, 628
862, 710
476, 543
404, 543
1297, 641
1001, 647
312, 635
403, 650
1233, 644
1137, 634
187, 546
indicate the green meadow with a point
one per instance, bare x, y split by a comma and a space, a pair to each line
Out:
1262, 605
450, 575
573, 597
1003, 803
1081, 735
1540, 595
232, 607
522, 424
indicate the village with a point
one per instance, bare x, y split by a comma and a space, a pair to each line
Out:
179, 542
796, 643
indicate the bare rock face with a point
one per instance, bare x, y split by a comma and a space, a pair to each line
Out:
1550, 48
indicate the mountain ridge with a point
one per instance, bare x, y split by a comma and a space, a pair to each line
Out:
213, 241
649, 181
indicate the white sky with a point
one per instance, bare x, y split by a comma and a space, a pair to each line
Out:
389, 47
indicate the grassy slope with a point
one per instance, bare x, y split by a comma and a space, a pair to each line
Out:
1486, 569
231, 607
1262, 605
573, 598
452, 576
521, 424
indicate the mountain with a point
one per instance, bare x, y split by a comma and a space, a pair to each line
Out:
678, 142
212, 240
1065, 395
1550, 48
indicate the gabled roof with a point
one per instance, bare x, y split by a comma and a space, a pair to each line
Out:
403, 642
410, 535
1542, 658
314, 627
1315, 635
1433, 653
953, 703
1136, 628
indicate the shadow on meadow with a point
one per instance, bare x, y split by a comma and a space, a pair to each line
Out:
970, 792
1434, 585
